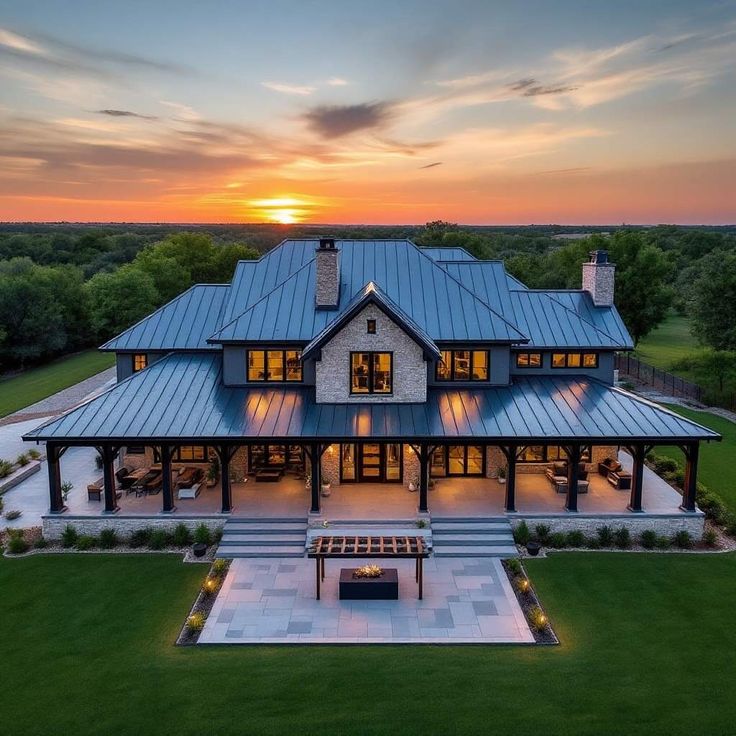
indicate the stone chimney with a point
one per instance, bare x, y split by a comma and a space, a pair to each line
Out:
327, 288
598, 278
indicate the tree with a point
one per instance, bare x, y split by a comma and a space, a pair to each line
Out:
713, 301
168, 275
226, 257
119, 299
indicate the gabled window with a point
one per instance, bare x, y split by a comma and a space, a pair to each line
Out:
275, 365
140, 361
371, 326
371, 373
463, 365
574, 360
528, 360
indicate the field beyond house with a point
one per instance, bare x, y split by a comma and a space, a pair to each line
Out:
37, 383
87, 648
668, 343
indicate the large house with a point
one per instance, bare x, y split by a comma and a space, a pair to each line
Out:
376, 378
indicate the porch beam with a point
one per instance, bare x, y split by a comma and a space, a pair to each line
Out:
573, 472
315, 455
167, 486
510, 453
638, 453
690, 491
108, 455
225, 454
56, 500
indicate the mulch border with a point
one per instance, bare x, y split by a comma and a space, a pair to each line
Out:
527, 600
203, 604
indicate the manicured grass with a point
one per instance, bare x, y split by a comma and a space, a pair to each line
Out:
717, 469
668, 343
38, 383
87, 648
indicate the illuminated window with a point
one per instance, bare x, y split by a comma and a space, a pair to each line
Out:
528, 360
371, 327
457, 460
140, 361
590, 360
371, 373
575, 360
463, 365
549, 453
274, 365
558, 360
190, 454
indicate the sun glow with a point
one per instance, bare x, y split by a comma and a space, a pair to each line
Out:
284, 217
284, 209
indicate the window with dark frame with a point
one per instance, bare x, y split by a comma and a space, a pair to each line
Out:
463, 365
135, 450
371, 373
457, 460
549, 453
574, 360
371, 326
277, 366
528, 360
190, 454
140, 361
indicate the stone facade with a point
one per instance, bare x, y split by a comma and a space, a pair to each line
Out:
598, 280
327, 281
663, 524
496, 459
53, 526
409, 366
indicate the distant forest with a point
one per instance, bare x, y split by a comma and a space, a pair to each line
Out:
65, 287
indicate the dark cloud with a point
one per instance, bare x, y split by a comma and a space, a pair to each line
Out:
335, 121
431, 166
126, 114
532, 88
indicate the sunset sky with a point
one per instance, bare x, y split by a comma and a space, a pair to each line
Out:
368, 112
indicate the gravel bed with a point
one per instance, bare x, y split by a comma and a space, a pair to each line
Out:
528, 601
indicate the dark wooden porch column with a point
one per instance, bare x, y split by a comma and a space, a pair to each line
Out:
689, 492
424, 455
108, 455
639, 453
573, 472
225, 454
56, 500
315, 456
167, 487
509, 452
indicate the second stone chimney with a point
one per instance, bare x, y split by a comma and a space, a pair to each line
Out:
598, 278
327, 287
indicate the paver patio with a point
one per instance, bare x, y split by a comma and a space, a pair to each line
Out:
266, 601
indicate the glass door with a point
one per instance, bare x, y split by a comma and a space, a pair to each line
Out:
370, 462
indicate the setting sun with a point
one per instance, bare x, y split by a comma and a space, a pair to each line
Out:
284, 217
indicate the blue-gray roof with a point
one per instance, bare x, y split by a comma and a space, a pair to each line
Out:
184, 323
445, 253
436, 301
181, 397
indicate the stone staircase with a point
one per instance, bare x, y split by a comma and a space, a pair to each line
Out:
473, 537
263, 537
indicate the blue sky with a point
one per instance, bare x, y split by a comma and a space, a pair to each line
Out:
368, 112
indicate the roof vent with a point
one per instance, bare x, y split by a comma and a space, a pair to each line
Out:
327, 243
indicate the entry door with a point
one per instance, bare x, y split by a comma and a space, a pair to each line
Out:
371, 462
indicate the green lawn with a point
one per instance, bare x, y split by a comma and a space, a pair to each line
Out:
668, 343
716, 468
38, 383
87, 648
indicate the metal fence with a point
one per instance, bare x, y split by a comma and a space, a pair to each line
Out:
667, 383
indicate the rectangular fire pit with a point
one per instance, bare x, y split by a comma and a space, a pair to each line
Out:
384, 588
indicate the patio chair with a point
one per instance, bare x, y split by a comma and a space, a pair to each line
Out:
94, 490
122, 475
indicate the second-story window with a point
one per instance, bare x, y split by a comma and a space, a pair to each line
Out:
575, 360
140, 361
371, 373
528, 360
371, 327
463, 365
275, 365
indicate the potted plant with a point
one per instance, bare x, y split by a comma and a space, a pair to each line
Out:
326, 489
533, 547
199, 549
502, 475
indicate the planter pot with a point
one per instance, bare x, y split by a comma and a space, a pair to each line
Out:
533, 548
199, 549
502, 481
326, 491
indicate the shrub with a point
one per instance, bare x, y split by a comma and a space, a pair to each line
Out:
219, 568
181, 537
85, 542
22, 459
683, 539
69, 536
195, 622
710, 538
521, 584
663, 542
542, 533
159, 539
41, 543
108, 538
676, 477
664, 464
6, 468
522, 534
537, 619
558, 540
421, 523
141, 537
34, 454
622, 538
649, 539
17, 544
210, 586
605, 536
513, 565
13, 515
712, 505
66, 487
576, 538
592, 543
203, 535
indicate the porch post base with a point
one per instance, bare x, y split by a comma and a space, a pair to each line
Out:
629, 507
168, 512
510, 511
111, 512
686, 510
58, 512
571, 511
226, 512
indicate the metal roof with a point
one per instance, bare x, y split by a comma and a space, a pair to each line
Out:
181, 397
436, 301
444, 253
184, 323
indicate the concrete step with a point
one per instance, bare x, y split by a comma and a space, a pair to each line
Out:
372, 522
233, 552
472, 539
446, 529
279, 529
267, 520
472, 551
262, 541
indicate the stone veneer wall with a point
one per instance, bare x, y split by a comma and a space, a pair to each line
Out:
664, 524
495, 459
599, 280
53, 526
409, 366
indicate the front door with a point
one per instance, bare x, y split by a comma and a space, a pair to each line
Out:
370, 465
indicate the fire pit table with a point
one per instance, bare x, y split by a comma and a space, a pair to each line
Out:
383, 587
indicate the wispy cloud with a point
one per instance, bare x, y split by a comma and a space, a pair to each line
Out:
289, 89
335, 121
337, 82
432, 165
125, 114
